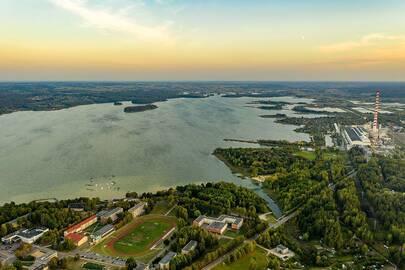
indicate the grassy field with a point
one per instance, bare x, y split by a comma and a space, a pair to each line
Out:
306, 154
136, 238
160, 208
244, 263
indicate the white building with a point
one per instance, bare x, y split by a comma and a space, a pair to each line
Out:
28, 236
138, 209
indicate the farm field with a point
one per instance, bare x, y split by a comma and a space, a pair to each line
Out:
136, 238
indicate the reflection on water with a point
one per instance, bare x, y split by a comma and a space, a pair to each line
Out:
98, 150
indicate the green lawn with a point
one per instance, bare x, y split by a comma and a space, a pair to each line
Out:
244, 263
160, 208
141, 237
93, 266
306, 154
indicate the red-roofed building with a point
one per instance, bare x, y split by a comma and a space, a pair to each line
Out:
79, 227
77, 238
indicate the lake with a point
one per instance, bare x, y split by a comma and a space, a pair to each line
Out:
98, 150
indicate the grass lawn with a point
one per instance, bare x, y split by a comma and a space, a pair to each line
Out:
233, 234
244, 263
93, 266
136, 238
306, 154
160, 208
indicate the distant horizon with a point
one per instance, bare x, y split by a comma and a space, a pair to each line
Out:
198, 81
161, 40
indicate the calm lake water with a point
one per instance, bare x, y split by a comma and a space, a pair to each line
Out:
98, 150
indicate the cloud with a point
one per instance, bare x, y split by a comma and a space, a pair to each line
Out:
367, 41
107, 20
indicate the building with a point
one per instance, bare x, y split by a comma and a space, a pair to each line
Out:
81, 226
138, 209
165, 261
76, 206
28, 236
77, 238
282, 252
191, 246
103, 232
220, 224
110, 214
142, 266
282, 249
356, 136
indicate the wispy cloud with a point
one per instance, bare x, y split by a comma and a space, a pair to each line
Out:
107, 20
370, 40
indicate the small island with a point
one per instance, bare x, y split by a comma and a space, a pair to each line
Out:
134, 109
277, 115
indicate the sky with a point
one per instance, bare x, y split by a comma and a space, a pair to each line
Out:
328, 40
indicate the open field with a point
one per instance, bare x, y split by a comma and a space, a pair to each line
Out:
136, 238
259, 255
160, 208
306, 154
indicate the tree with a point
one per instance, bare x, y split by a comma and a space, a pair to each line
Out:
53, 263
3, 230
364, 249
131, 263
253, 264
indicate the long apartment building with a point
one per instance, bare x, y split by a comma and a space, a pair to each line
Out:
81, 226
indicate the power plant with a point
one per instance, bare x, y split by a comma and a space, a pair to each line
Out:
370, 135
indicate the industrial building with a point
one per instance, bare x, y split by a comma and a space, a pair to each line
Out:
138, 209
110, 214
356, 136
81, 226
219, 225
28, 236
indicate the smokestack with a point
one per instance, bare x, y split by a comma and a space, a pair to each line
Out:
376, 111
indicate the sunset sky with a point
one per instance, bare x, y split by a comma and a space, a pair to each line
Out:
202, 40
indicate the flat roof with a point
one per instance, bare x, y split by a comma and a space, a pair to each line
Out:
168, 257
105, 229
30, 233
190, 245
217, 225
111, 212
138, 205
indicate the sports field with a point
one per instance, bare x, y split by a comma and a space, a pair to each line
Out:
136, 238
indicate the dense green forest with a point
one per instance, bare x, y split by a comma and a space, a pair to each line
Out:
337, 194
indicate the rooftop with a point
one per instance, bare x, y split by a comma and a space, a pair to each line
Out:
168, 257
110, 212
75, 237
30, 233
217, 225
138, 205
190, 245
104, 230
78, 225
